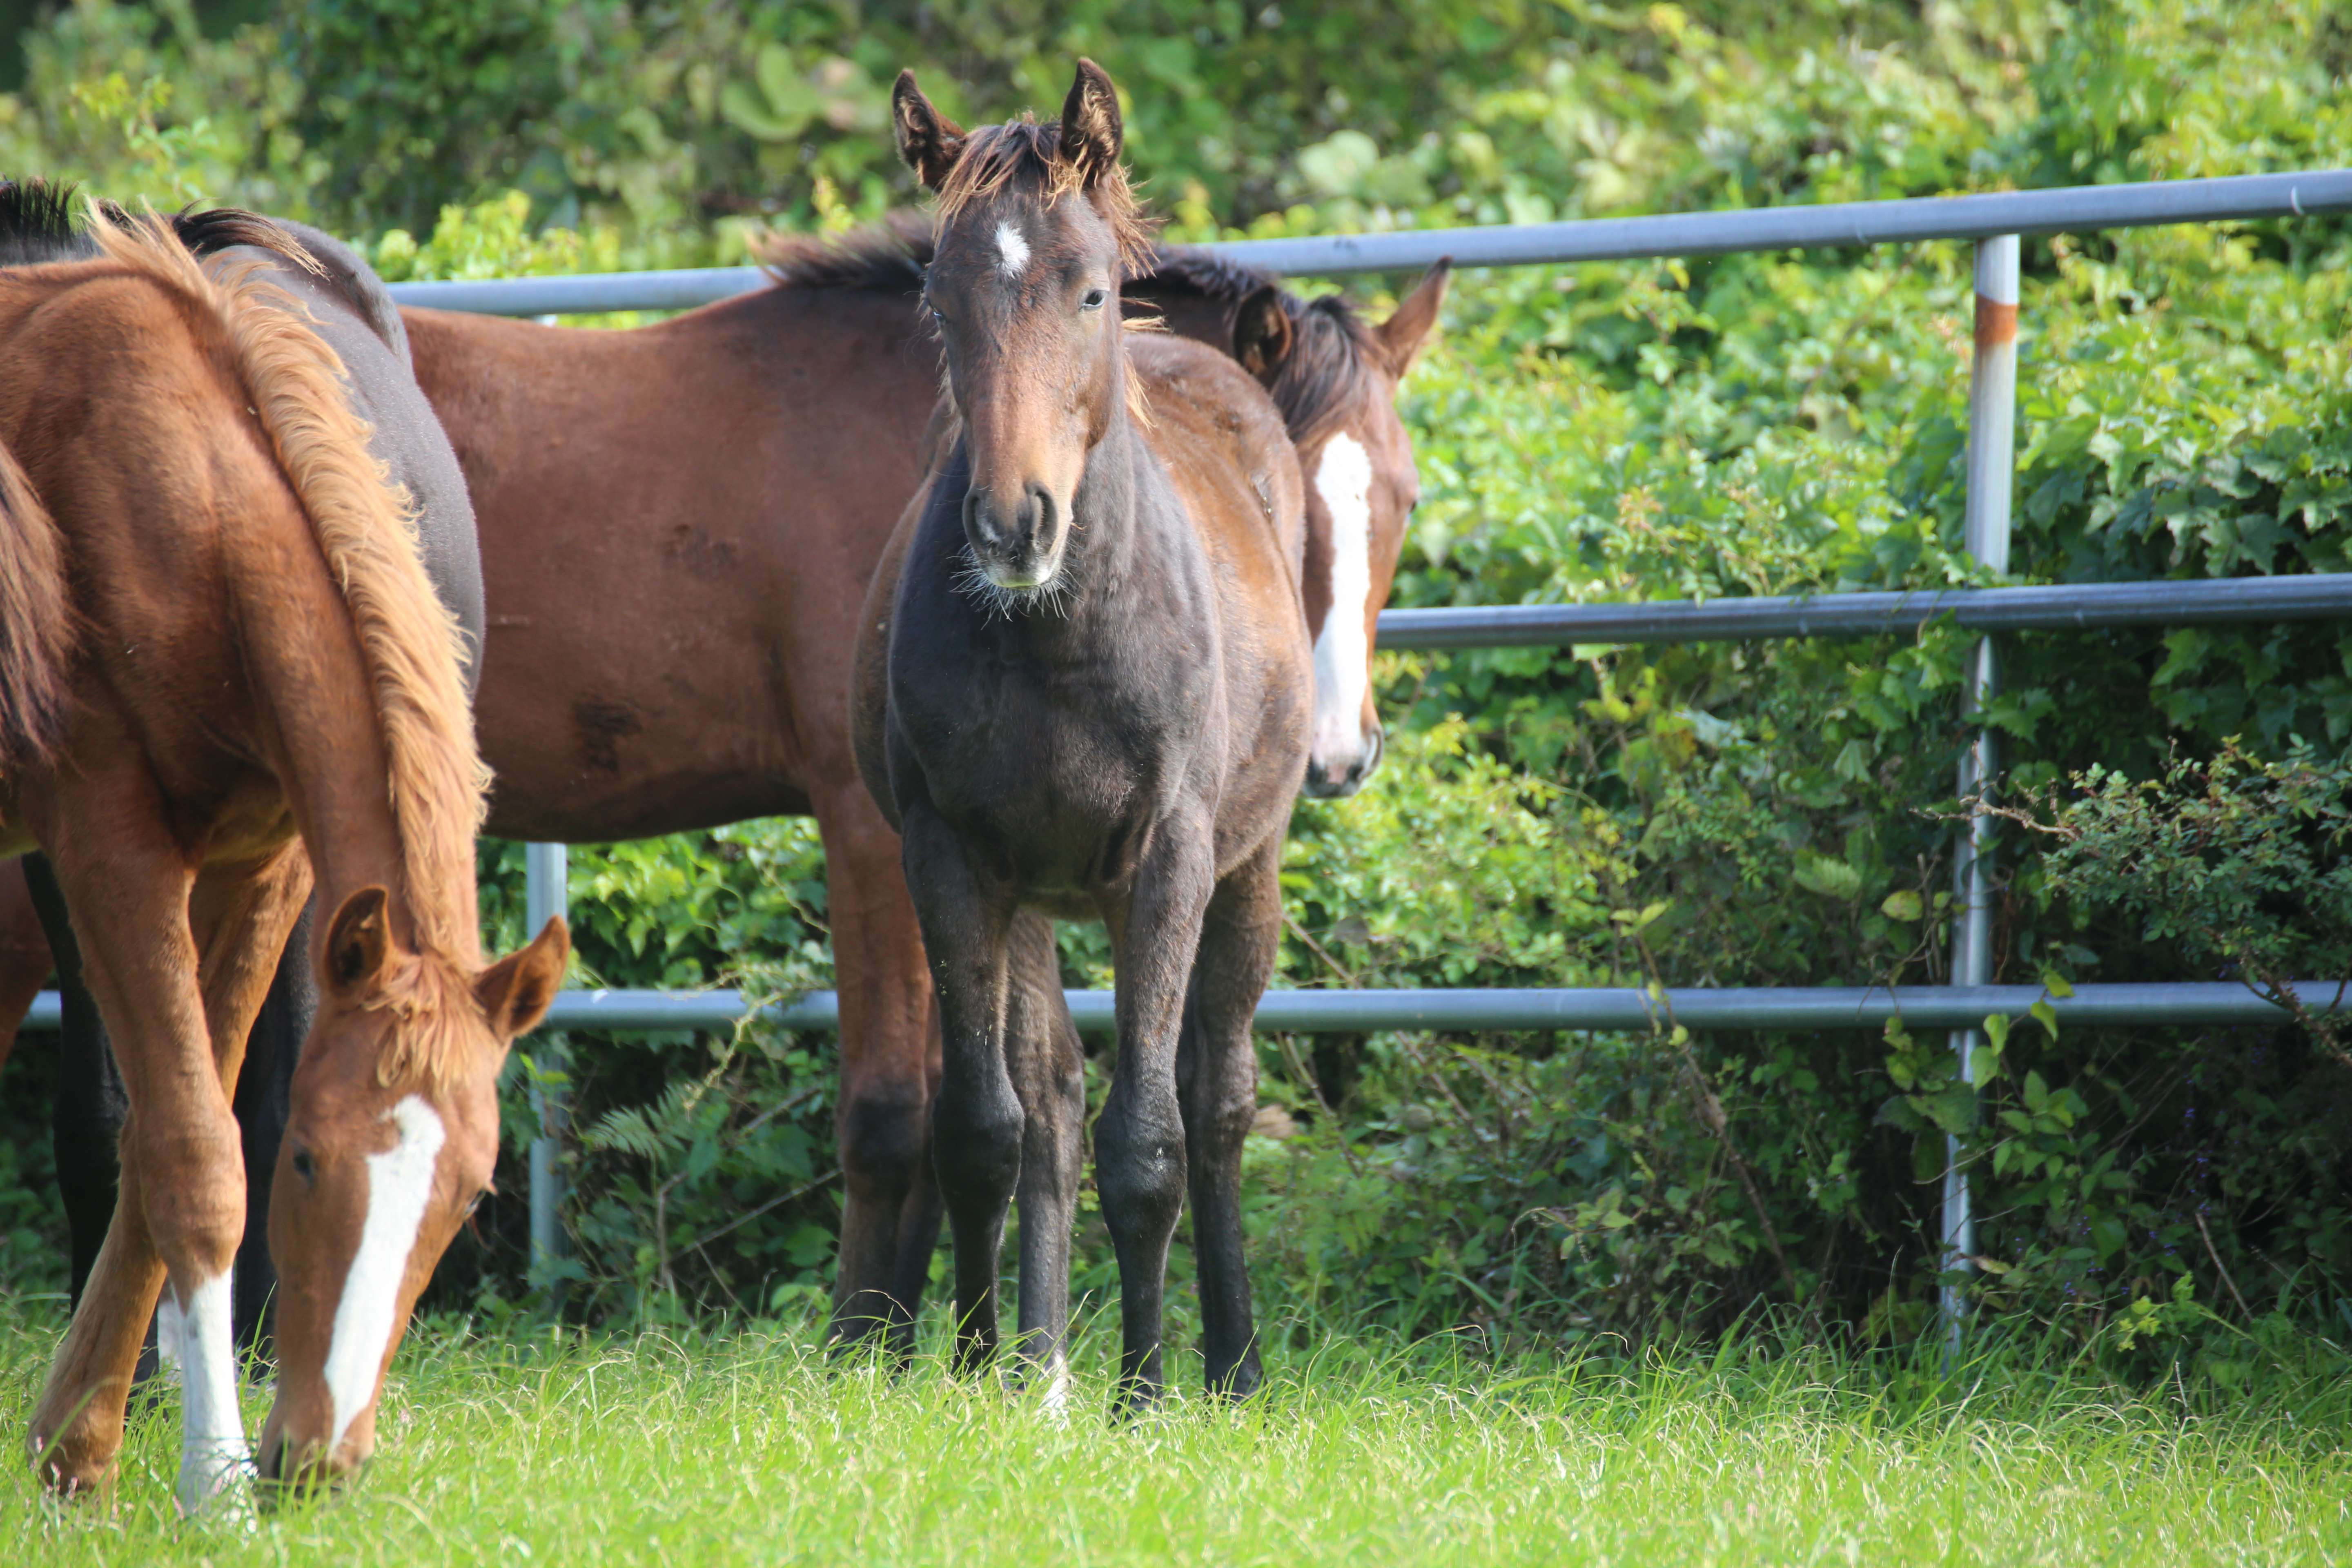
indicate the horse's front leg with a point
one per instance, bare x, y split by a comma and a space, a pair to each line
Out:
1216, 1073
1048, 1068
1139, 1140
238, 918
890, 1217
182, 1201
976, 1122
182, 1209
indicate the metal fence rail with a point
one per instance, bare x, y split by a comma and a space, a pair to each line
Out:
1610, 1008
2077, 209
2078, 606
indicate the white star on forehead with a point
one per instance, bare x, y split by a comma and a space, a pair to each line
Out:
1012, 250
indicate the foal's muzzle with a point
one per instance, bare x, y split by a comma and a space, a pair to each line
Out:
1016, 540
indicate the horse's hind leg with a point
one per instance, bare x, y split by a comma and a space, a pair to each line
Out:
1048, 1070
889, 1053
976, 1122
1216, 1071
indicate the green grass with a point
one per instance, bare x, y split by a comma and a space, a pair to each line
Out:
751, 1448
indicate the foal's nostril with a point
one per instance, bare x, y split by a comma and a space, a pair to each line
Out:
1039, 517
978, 526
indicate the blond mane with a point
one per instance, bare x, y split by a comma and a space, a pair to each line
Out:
408, 638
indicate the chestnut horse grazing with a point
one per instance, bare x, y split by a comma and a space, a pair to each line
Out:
223, 677
347, 305
1084, 690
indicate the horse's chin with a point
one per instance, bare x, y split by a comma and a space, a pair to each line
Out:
1024, 578
1330, 788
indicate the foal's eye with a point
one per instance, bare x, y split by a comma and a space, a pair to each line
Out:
1093, 299
475, 1202
304, 1166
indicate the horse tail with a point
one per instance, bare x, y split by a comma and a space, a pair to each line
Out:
37, 624
408, 638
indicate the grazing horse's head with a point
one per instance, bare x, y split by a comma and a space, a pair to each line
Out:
1334, 378
391, 1142
1037, 229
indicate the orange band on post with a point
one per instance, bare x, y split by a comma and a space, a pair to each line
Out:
1996, 323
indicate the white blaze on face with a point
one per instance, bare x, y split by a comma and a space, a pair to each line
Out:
1012, 250
212, 1428
1342, 655
400, 1184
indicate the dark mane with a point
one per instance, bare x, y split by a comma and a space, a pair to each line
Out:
37, 224
1177, 268
1333, 354
885, 258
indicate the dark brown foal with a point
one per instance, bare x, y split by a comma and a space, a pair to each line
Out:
1084, 685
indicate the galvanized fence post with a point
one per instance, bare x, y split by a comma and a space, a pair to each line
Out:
546, 893
1991, 461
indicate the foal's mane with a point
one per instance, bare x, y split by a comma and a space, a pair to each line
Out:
408, 640
1334, 357
995, 156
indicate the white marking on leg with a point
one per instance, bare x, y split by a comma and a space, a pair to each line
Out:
211, 1429
400, 1182
1343, 477
1056, 1397
1012, 250
171, 1337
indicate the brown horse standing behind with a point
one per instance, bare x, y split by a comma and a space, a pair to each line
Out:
218, 651
1089, 696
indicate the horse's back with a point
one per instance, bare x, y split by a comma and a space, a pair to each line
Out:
675, 517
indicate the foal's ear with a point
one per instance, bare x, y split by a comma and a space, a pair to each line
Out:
515, 992
1263, 335
1404, 335
928, 142
1091, 132
359, 942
